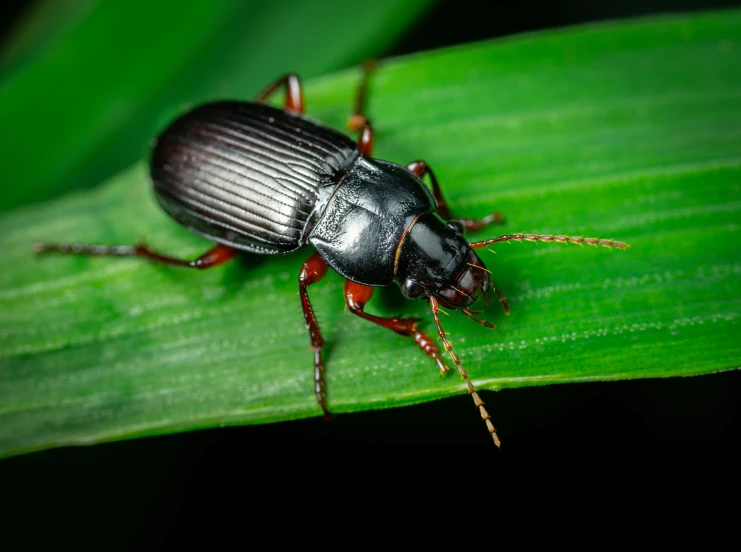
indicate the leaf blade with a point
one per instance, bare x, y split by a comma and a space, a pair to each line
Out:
644, 149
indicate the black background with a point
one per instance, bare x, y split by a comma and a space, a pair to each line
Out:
667, 444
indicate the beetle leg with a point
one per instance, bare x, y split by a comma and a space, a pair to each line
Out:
359, 121
435, 307
357, 295
365, 140
294, 93
216, 256
312, 271
420, 169
358, 118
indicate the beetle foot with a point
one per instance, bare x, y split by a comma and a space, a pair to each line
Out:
474, 225
428, 346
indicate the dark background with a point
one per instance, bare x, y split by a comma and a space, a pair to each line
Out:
664, 444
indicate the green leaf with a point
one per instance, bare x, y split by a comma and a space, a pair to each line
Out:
630, 130
91, 93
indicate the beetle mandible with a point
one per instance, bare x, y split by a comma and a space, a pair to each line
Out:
251, 177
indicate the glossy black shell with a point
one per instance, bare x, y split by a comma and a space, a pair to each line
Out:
371, 210
249, 175
265, 180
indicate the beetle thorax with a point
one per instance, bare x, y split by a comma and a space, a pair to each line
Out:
366, 219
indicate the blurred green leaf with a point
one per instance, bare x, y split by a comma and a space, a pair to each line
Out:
630, 130
90, 97
43, 23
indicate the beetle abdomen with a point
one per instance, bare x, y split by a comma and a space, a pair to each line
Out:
248, 175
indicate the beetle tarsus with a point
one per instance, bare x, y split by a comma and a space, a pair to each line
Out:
312, 271
84, 249
470, 313
427, 346
474, 225
217, 255
320, 392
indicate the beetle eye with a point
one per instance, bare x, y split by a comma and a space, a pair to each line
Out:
411, 289
457, 226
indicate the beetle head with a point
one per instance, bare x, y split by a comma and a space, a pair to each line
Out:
434, 259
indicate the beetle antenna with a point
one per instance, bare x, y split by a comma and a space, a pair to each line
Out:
550, 238
435, 307
470, 313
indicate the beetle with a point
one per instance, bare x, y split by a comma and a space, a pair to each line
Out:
252, 177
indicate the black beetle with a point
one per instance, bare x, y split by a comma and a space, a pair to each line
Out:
255, 178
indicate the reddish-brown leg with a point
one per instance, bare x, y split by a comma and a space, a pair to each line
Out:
356, 297
435, 307
359, 121
312, 271
365, 140
294, 94
501, 297
420, 168
220, 254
